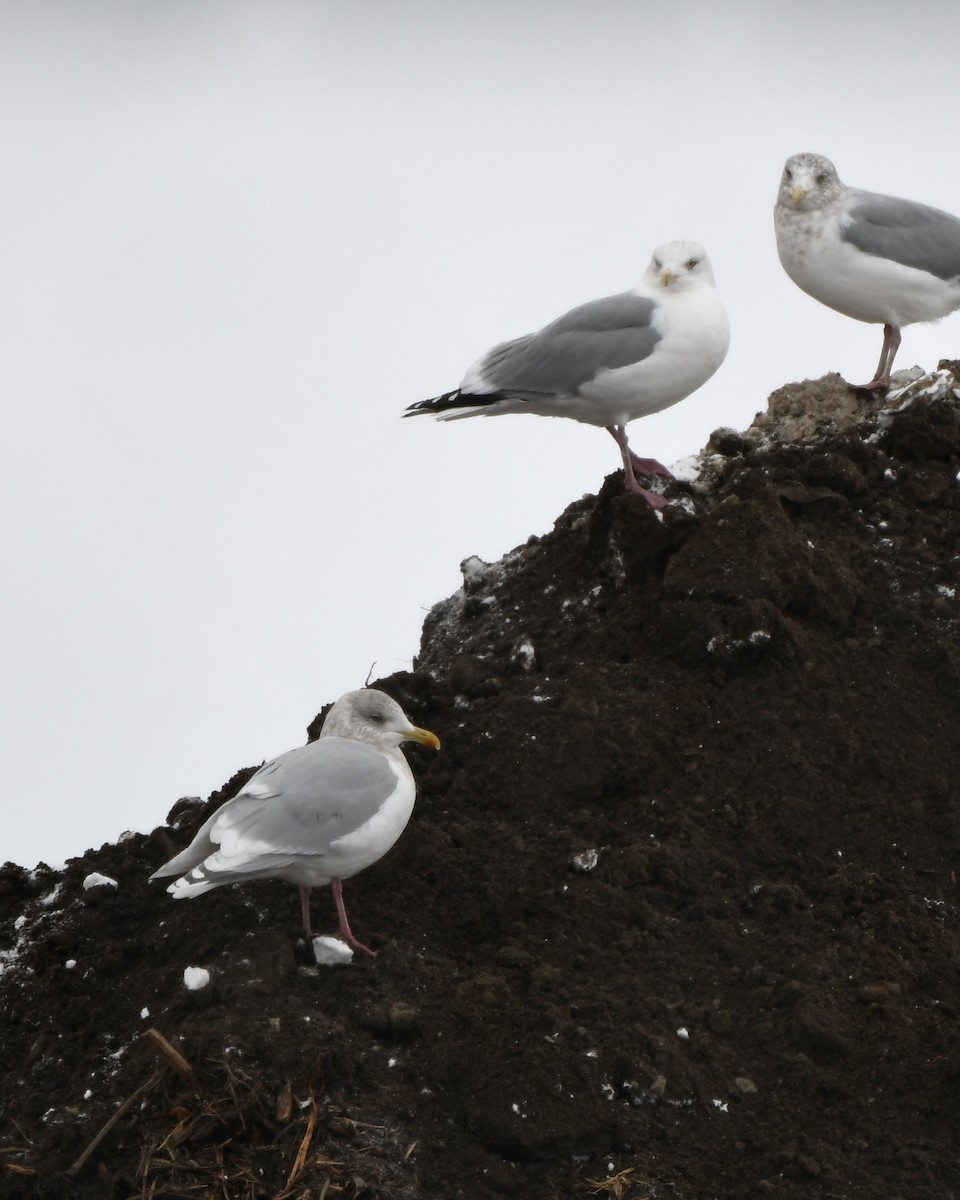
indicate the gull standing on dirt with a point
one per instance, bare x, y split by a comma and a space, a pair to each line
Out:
315, 815
871, 257
608, 361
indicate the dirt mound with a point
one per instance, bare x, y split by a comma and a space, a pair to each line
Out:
676, 914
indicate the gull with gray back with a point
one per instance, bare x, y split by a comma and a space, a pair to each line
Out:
871, 257
609, 361
316, 815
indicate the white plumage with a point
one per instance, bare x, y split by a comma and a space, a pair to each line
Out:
609, 361
315, 815
872, 257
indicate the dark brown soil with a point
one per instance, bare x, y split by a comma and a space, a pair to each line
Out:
676, 914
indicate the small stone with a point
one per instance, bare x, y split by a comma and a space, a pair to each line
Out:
524, 655
877, 995
404, 1018
729, 442
809, 1165
586, 860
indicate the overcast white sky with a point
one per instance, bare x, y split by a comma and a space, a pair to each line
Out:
237, 239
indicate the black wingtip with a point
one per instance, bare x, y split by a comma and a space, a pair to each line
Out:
435, 405
421, 406
455, 399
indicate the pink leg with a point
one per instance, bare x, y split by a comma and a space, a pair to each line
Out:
619, 435
888, 352
337, 888
305, 909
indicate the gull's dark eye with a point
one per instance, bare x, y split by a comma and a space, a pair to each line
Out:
692, 263
822, 178
787, 176
657, 264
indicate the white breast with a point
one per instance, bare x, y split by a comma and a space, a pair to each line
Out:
859, 285
695, 335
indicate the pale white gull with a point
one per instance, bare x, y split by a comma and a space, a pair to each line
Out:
609, 361
315, 815
871, 257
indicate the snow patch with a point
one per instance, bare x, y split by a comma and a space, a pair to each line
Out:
94, 879
331, 951
195, 978
686, 469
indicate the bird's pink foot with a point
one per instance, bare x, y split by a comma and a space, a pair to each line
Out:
345, 931
649, 466
632, 465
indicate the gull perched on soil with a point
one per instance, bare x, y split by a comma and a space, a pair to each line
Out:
871, 257
609, 361
315, 815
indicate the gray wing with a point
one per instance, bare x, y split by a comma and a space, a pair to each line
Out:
296, 805
906, 232
309, 797
613, 332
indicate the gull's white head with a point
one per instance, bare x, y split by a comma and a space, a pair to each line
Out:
372, 716
680, 265
809, 181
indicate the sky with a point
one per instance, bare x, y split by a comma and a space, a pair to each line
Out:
237, 239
